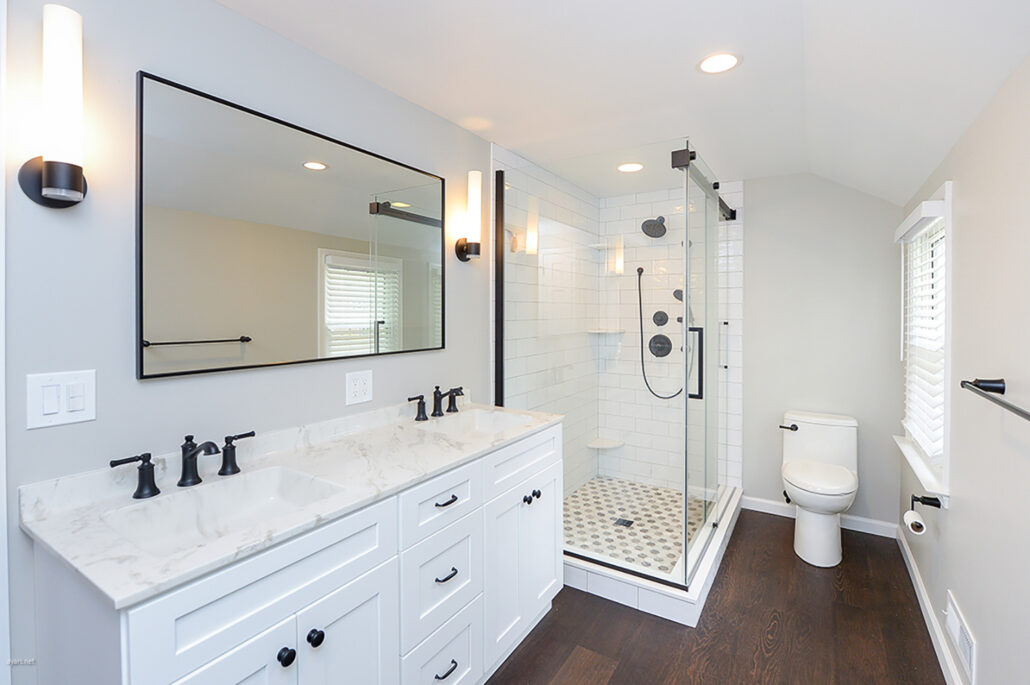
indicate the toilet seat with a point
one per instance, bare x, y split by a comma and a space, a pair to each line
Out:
820, 478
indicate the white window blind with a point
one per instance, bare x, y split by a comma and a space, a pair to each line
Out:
436, 304
924, 340
356, 294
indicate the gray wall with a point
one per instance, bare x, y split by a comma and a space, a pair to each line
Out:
821, 284
978, 548
70, 273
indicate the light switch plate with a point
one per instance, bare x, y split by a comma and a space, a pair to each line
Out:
359, 387
53, 399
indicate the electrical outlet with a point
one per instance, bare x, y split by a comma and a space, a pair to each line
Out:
961, 636
359, 387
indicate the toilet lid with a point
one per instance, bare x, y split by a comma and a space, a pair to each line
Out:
820, 478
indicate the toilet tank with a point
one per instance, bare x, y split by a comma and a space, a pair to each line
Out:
828, 438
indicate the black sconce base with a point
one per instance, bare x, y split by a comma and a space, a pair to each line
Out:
30, 178
466, 250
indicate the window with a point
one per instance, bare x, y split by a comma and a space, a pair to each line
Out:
924, 351
436, 304
359, 304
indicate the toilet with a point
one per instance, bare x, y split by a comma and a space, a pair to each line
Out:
820, 476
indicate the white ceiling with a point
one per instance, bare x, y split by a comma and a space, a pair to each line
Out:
869, 93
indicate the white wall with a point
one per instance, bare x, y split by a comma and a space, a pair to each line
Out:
70, 273
978, 548
822, 284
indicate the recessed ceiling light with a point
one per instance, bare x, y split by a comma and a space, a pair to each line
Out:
316, 166
401, 205
718, 63
630, 167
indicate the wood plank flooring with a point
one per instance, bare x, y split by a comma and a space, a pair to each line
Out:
770, 618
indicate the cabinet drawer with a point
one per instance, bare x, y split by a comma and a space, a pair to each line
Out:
437, 503
507, 467
456, 649
439, 576
188, 627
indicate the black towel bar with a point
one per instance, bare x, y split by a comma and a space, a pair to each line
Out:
987, 388
241, 339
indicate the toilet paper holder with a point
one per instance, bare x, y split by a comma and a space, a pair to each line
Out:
926, 500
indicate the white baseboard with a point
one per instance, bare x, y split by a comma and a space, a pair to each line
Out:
847, 521
952, 672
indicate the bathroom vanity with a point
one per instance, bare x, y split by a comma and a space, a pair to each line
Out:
372, 549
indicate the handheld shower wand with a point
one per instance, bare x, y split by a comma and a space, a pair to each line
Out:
640, 310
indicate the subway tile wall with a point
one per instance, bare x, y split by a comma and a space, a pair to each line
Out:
731, 311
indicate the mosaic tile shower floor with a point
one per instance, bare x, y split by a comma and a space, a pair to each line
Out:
655, 540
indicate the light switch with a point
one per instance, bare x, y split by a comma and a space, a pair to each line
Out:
56, 398
76, 397
51, 399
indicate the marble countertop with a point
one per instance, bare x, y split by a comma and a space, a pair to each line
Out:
368, 457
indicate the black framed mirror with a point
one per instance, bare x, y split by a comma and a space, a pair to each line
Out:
262, 243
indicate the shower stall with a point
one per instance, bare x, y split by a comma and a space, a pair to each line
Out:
607, 303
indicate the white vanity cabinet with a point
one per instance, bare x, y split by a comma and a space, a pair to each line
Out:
436, 584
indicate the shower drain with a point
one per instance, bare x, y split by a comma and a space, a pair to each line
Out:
623, 522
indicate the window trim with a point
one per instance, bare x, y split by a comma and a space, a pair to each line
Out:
934, 475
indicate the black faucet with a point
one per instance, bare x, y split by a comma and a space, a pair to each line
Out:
420, 414
190, 451
145, 486
438, 402
452, 403
229, 465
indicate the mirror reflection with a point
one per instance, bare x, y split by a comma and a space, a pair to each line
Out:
265, 244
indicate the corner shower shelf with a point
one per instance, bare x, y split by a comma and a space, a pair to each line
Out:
605, 444
606, 331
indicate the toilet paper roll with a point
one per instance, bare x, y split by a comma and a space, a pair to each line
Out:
914, 522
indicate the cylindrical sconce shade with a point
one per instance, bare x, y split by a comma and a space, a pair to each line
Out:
468, 245
62, 104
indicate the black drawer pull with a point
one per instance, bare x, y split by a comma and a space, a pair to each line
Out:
286, 656
316, 637
452, 500
450, 575
791, 427
454, 665
528, 499
536, 493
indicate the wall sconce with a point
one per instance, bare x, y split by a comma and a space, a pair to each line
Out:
55, 178
533, 226
468, 246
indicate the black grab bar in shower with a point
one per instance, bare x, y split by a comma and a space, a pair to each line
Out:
987, 388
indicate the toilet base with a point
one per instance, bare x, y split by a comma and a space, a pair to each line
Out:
817, 538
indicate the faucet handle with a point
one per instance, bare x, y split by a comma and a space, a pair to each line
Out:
145, 486
229, 465
452, 399
421, 413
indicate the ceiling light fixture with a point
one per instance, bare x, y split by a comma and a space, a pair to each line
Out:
630, 167
718, 63
316, 166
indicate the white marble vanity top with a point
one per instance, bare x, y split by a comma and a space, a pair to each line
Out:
349, 463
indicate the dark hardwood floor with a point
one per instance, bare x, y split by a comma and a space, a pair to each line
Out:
770, 618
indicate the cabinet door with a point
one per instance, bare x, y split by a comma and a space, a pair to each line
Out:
352, 634
540, 542
502, 605
255, 662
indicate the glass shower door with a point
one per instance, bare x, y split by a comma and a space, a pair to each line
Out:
702, 359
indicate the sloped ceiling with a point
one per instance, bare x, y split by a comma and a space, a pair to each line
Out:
870, 94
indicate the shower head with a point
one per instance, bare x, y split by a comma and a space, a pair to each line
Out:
654, 228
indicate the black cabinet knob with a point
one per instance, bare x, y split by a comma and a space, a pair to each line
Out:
536, 493
316, 637
528, 499
286, 656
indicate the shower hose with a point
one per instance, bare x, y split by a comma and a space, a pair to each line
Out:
640, 310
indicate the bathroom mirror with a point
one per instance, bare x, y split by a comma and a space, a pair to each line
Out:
261, 243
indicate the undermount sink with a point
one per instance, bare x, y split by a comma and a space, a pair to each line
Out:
180, 520
475, 421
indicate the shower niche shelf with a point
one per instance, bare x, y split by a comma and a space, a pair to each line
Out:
605, 444
606, 331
